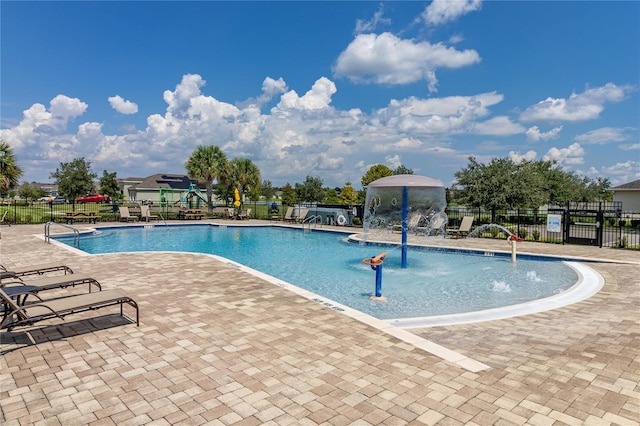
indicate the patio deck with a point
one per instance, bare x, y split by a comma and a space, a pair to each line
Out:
219, 346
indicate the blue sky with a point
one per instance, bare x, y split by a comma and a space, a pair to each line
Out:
322, 89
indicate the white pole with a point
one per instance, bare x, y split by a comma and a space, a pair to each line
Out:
513, 250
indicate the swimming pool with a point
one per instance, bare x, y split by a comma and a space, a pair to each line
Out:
436, 282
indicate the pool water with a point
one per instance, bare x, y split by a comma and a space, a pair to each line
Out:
436, 282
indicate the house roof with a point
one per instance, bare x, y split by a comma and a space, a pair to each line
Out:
635, 185
165, 181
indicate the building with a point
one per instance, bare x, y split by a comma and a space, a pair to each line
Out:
166, 189
629, 195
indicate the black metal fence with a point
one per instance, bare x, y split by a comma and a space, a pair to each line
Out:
596, 224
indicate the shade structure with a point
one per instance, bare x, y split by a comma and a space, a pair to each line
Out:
407, 202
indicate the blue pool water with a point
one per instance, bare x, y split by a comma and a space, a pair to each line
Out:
436, 282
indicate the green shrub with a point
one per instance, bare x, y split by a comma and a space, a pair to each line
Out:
356, 221
522, 233
536, 235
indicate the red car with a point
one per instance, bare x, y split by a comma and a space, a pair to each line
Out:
93, 198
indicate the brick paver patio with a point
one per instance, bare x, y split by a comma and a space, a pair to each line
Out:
219, 346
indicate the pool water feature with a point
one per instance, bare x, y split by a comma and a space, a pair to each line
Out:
437, 282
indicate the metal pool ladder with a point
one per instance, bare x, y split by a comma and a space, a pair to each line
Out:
47, 233
315, 219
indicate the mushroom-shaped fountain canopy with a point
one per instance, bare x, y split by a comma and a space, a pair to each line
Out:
426, 202
411, 181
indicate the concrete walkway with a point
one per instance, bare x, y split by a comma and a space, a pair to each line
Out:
219, 346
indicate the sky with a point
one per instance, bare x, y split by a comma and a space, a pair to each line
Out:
323, 89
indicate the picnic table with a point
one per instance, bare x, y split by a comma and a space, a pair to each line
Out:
81, 217
190, 214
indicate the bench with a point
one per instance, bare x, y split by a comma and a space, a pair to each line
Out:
91, 218
190, 214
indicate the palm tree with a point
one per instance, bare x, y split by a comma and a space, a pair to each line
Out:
246, 175
206, 164
9, 170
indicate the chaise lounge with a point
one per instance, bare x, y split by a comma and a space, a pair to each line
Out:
463, 229
36, 269
29, 314
50, 283
125, 216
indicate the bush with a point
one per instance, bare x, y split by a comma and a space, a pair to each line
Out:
356, 221
522, 233
536, 235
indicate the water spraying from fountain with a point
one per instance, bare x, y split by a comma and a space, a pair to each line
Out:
405, 203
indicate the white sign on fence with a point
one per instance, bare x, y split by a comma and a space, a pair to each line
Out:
554, 223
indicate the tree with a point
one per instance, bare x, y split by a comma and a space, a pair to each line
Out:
30, 192
374, 173
288, 195
109, 186
348, 195
331, 196
501, 184
9, 171
74, 179
267, 190
310, 191
205, 164
402, 170
246, 177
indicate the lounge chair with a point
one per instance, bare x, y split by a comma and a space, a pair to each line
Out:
245, 214
3, 219
31, 313
288, 216
125, 216
37, 269
303, 214
231, 213
145, 214
49, 283
463, 229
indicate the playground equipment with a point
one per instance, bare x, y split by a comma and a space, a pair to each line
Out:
414, 202
187, 199
376, 264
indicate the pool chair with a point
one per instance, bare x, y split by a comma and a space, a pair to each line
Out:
35, 269
246, 214
50, 283
303, 214
17, 315
288, 216
125, 216
463, 229
145, 214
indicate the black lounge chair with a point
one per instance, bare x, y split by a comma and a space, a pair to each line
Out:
37, 269
28, 314
49, 283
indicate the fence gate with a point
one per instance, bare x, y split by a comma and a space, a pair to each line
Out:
584, 223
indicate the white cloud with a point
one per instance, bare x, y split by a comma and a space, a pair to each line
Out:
442, 11
498, 126
569, 156
370, 25
518, 158
299, 136
453, 114
534, 133
579, 107
318, 97
604, 135
631, 147
122, 106
387, 59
